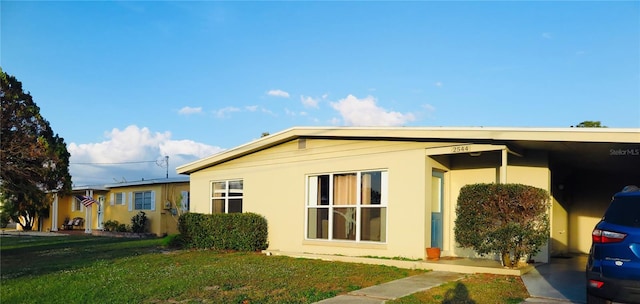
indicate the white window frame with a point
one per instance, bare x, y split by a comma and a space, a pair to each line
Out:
227, 191
384, 204
76, 205
185, 202
152, 199
123, 198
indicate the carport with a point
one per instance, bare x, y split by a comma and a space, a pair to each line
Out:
586, 166
584, 176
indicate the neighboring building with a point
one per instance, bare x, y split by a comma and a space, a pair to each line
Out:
158, 198
393, 191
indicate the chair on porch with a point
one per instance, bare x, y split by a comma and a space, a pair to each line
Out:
69, 224
78, 222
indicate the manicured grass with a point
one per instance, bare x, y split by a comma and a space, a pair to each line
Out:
476, 288
84, 269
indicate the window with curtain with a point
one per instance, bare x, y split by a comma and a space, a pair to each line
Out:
348, 206
226, 196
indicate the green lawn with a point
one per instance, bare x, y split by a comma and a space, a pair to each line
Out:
473, 289
85, 269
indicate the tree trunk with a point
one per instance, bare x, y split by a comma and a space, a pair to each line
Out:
506, 259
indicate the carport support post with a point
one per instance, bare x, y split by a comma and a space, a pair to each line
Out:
503, 167
54, 212
88, 211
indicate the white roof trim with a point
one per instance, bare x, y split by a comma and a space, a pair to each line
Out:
611, 135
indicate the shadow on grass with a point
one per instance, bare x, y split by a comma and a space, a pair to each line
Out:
36, 255
458, 295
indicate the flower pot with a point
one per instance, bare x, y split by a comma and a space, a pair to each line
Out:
433, 254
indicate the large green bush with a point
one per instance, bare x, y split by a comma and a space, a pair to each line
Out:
232, 231
507, 219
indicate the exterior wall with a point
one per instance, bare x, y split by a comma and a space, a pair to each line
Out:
160, 220
66, 211
533, 170
274, 174
588, 196
464, 169
580, 198
275, 181
560, 216
47, 223
439, 163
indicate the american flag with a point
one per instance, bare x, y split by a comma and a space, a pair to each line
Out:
86, 200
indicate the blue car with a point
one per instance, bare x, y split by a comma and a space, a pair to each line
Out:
613, 268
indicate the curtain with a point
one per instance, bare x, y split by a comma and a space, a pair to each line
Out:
344, 189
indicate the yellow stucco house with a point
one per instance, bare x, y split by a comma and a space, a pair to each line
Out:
392, 191
158, 198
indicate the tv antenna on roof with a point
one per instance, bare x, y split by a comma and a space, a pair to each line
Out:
164, 163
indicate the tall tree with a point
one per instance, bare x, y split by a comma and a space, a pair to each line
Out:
34, 161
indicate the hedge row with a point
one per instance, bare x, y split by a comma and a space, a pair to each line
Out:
232, 231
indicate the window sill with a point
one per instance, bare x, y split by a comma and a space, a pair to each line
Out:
345, 244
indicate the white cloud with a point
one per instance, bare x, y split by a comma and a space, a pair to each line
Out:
289, 112
293, 113
278, 93
438, 84
267, 111
221, 113
190, 110
365, 112
547, 35
131, 154
256, 108
429, 108
309, 101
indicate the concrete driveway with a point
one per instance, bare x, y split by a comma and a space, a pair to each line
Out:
562, 279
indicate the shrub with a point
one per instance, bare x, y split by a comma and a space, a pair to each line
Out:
110, 225
507, 219
173, 241
233, 231
139, 222
123, 228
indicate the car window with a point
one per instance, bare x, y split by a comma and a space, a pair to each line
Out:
624, 211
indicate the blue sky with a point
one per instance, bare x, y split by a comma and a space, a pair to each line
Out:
134, 81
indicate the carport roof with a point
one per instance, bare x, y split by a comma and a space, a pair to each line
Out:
580, 146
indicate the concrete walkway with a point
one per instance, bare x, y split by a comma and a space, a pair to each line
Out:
13, 232
562, 280
396, 289
540, 290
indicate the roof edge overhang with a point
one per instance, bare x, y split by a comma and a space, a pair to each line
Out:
86, 188
171, 180
155, 181
604, 135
